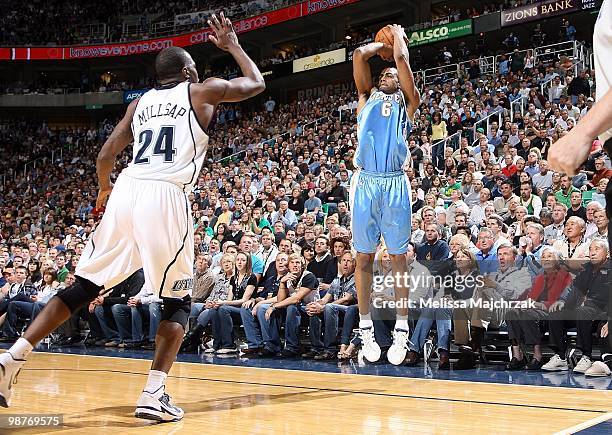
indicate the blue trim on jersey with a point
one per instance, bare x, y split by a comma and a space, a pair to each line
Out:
383, 126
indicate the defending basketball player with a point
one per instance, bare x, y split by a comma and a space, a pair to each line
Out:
380, 191
147, 222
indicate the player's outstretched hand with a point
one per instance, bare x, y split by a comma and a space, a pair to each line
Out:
398, 32
569, 153
103, 195
225, 37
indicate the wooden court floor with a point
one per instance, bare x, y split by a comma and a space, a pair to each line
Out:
97, 395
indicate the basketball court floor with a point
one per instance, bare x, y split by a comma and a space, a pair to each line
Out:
95, 391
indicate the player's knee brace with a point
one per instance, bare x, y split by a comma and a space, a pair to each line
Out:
81, 293
176, 310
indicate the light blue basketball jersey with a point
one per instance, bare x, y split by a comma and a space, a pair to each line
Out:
382, 128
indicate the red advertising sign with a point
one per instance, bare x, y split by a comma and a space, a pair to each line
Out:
298, 10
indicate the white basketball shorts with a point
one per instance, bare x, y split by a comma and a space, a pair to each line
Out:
147, 224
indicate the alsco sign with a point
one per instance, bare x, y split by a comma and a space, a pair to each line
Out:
441, 33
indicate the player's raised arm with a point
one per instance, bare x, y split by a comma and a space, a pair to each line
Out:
217, 90
406, 78
114, 145
361, 70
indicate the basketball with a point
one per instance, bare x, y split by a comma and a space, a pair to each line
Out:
385, 36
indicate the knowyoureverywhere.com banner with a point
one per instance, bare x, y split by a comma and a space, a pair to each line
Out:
292, 12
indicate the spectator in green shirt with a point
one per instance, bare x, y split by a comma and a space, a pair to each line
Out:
564, 194
62, 271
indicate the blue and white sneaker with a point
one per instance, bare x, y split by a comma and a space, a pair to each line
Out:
157, 406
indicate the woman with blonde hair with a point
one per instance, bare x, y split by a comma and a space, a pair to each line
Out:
442, 316
242, 286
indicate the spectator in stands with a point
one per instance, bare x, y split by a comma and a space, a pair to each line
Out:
434, 249
585, 304
18, 289
340, 298
22, 309
600, 173
130, 319
204, 282
220, 292
543, 179
106, 312
573, 248
524, 324
601, 222
501, 202
555, 231
242, 287
530, 249
508, 284
296, 290
285, 215
263, 335
323, 265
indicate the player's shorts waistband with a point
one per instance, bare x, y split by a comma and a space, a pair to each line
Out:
164, 183
381, 174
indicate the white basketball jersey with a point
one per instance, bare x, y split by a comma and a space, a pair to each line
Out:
169, 142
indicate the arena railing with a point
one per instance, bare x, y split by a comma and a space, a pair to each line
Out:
520, 104
172, 27
487, 119
545, 85
451, 141
429, 76
30, 165
274, 139
574, 50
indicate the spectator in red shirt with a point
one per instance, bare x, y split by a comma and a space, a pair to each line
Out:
545, 291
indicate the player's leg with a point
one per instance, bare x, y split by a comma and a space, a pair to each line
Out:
154, 403
166, 248
365, 216
105, 261
395, 227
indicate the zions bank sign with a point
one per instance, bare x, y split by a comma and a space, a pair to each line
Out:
538, 11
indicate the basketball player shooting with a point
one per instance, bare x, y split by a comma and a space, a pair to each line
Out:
380, 191
147, 223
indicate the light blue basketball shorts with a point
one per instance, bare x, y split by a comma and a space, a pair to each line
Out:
380, 205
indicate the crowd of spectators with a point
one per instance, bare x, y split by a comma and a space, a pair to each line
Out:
273, 227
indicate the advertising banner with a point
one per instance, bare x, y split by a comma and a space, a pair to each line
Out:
538, 11
441, 33
319, 60
244, 25
132, 94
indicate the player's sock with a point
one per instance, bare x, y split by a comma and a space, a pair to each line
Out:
401, 322
156, 380
21, 349
365, 321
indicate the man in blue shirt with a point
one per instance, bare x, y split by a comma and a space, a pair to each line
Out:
486, 257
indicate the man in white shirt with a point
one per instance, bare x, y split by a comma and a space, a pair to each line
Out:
270, 105
543, 179
268, 251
